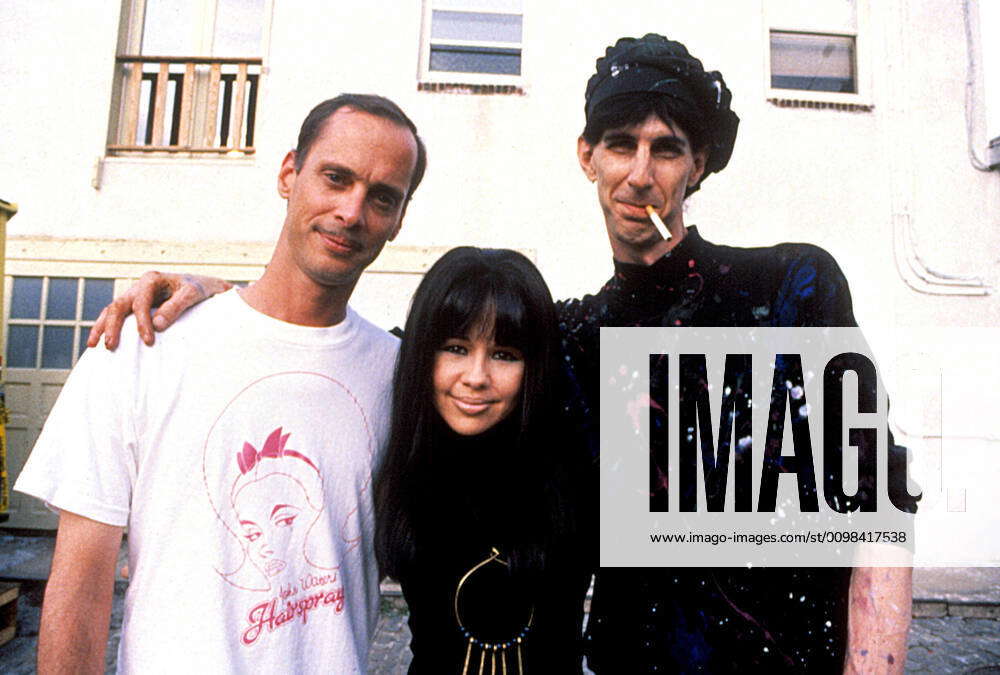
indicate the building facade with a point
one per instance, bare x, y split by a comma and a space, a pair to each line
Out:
148, 134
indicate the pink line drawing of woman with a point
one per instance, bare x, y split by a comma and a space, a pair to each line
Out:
278, 480
277, 497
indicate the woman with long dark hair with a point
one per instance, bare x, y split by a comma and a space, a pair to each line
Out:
474, 495
472, 501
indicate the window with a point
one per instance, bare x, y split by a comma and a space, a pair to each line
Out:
50, 318
188, 77
473, 41
813, 62
815, 51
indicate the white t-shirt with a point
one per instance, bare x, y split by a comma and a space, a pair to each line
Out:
239, 451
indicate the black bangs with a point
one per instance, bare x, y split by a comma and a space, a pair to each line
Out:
485, 303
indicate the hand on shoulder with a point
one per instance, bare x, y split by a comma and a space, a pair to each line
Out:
174, 293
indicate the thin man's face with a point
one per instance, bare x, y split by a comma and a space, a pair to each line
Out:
650, 163
347, 199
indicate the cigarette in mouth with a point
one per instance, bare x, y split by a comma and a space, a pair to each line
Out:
657, 222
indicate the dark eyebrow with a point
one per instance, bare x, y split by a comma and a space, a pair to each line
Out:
325, 168
617, 137
668, 142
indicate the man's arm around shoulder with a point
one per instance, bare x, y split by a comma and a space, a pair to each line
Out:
77, 607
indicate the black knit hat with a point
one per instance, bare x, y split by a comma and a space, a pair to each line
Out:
654, 64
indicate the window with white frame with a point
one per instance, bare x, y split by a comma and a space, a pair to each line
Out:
189, 72
815, 50
472, 40
813, 62
50, 317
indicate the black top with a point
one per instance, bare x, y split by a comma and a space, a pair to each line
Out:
469, 505
709, 620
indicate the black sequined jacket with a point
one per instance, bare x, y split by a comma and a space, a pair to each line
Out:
708, 620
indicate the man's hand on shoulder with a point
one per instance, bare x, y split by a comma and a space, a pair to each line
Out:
77, 607
176, 292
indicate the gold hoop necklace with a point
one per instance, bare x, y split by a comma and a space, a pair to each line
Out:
491, 648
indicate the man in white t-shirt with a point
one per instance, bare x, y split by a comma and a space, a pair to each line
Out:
239, 450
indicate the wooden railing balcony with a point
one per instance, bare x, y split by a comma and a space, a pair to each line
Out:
172, 104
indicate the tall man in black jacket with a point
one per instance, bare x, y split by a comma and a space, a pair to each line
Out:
657, 125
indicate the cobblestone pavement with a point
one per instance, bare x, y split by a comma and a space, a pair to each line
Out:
389, 653
950, 644
954, 645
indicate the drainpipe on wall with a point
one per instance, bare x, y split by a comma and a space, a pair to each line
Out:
7, 211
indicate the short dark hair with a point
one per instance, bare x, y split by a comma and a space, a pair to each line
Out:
466, 290
372, 104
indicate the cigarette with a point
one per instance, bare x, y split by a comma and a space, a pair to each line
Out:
657, 222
